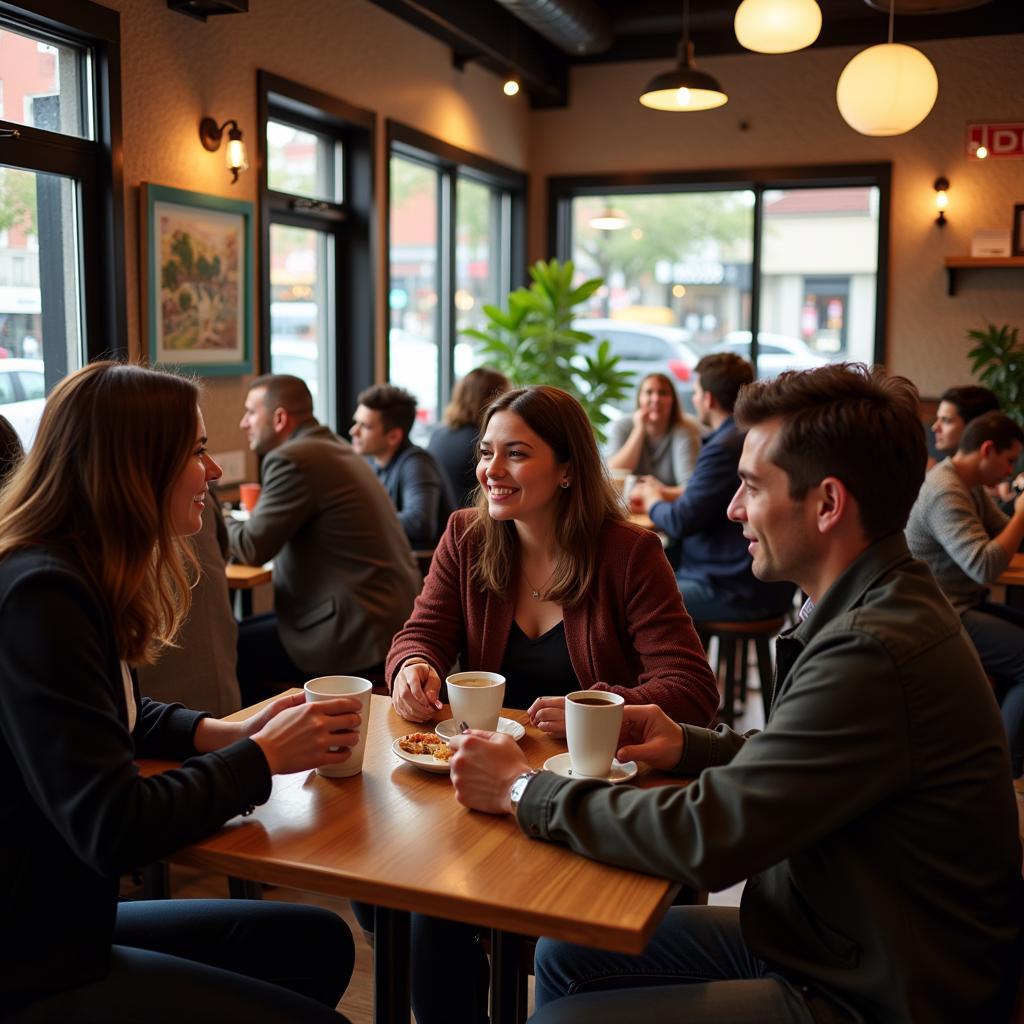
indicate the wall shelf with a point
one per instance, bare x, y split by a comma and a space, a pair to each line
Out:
955, 263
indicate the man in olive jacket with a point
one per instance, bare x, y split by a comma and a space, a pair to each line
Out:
873, 817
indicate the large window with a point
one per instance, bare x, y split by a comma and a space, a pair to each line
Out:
787, 273
318, 306
61, 230
456, 243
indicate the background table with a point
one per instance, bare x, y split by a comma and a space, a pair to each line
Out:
1013, 580
243, 580
395, 836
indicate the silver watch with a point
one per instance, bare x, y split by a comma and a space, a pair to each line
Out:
518, 788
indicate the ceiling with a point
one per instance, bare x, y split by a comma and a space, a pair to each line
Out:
490, 32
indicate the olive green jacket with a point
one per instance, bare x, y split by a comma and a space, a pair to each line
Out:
874, 816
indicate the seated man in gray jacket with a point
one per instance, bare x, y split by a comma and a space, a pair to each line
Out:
414, 479
967, 542
873, 818
344, 576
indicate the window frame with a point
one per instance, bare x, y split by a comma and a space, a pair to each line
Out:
96, 164
350, 223
562, 189
451, 163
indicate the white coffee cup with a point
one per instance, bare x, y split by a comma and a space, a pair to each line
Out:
618, 478
476, 698
593, 721
328, 687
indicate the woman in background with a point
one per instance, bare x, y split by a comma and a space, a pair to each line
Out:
545, 582
657, 439
94, 581
454, 443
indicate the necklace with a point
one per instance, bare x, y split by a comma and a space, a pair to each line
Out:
534, 591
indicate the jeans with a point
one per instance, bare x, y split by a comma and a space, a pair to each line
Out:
449, 976
705, 604
212, 960
997, 632
696, 969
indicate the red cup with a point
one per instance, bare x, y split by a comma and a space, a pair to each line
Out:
248, 495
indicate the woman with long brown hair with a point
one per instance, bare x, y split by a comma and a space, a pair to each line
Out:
545, 582
94, 581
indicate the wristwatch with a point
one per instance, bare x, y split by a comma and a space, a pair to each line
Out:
518, 788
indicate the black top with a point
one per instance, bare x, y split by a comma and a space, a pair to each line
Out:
455, 450
537, 668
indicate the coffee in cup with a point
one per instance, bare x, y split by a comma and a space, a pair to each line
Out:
476, 698
593, 722
328, 687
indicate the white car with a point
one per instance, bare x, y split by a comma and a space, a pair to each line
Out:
775, 352
22, 396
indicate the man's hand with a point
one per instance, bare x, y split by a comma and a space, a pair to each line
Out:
415, 690
484, 766
649, 735
647, 492
548, 715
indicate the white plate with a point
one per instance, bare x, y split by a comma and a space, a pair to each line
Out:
447, 729
561, 764
427, 762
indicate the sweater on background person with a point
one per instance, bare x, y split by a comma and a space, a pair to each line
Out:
670, 459
418, 489
632, 636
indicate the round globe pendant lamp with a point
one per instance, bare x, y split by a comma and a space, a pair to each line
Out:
777, 26
684, 87
887, 89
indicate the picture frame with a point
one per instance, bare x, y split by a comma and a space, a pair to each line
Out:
197, 280
1017, 247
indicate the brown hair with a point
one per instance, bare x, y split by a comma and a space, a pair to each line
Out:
585, 506
471, 395
11, 451
112, 442
996, 427
971, 401
285, 391
397, 407
675, 413
851, 422
723, 374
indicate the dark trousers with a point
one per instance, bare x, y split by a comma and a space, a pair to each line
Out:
264, 668
212, 960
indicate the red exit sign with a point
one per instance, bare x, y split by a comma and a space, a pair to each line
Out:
1001, 141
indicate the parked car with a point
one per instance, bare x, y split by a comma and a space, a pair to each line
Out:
22, 396
647, 348
775, 352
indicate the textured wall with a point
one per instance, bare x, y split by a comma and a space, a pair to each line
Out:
789, 103
176, 69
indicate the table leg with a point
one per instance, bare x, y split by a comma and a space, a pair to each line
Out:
390, 966
508, 983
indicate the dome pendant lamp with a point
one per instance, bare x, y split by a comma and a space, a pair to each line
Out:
777, 26
887, 89
684, 87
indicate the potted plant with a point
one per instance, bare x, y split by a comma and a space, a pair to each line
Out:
998, 362
533, 342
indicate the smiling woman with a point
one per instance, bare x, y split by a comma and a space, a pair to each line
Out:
92, 528
544, 582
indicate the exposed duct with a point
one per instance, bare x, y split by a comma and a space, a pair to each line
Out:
575, 26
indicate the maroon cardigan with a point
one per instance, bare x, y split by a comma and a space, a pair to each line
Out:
631, 636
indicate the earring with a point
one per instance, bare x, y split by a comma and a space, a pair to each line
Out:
565, 485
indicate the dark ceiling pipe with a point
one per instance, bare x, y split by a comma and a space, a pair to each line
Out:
575, 26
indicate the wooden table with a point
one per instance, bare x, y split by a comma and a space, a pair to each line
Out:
1013, 580
243, 580
641, 519
395, 836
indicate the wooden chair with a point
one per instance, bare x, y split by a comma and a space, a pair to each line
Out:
733, 638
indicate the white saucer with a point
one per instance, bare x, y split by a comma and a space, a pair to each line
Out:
427, 762
561, 764
447, 729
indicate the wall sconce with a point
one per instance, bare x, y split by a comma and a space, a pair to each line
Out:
941, 200
511, 86
211, 136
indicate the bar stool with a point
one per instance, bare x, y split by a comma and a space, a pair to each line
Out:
733, 638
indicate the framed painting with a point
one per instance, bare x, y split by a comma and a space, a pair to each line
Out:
197, 280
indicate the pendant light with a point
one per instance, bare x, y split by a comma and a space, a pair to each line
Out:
684, 87
608, 219
887, 89
777, 26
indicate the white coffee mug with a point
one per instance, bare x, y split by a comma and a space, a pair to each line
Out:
476, 698
328, 687
593, 721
